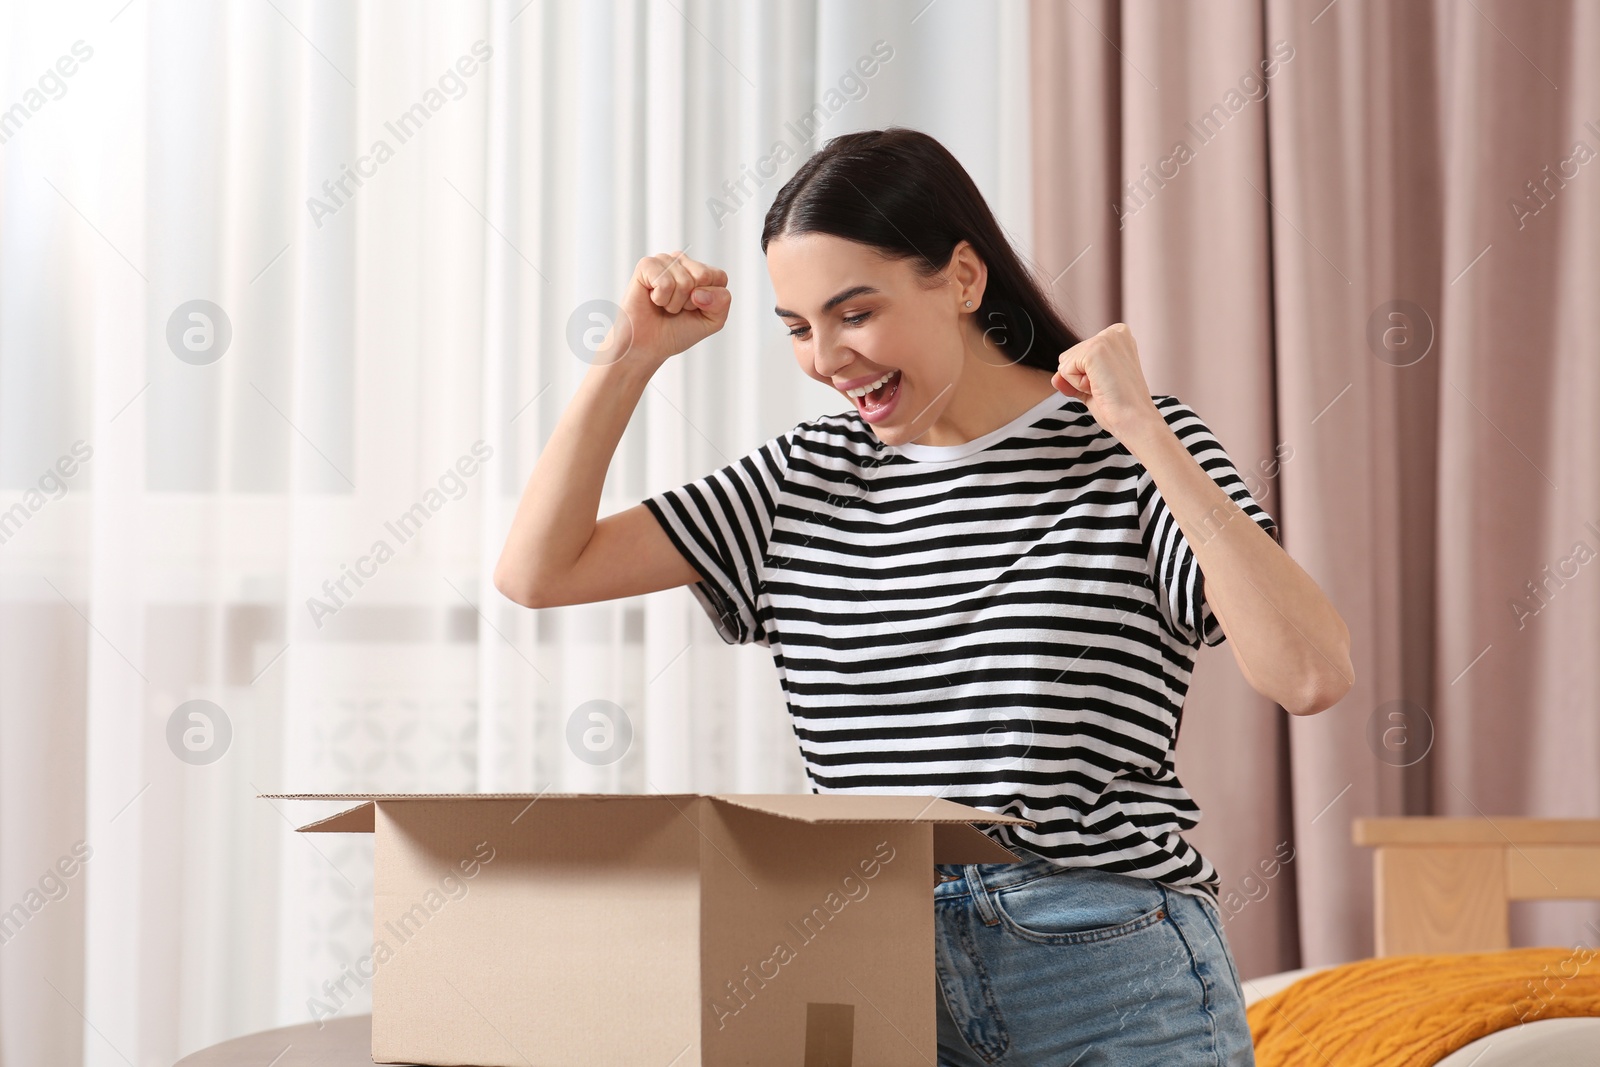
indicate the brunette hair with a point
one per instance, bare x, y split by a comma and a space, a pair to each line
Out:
903, 193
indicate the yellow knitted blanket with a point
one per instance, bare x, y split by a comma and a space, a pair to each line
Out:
1411, 1011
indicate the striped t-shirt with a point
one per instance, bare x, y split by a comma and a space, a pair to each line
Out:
1010, 622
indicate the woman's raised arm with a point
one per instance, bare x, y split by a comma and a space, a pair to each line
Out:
556, 552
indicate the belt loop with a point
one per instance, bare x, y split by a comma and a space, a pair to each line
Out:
980, 895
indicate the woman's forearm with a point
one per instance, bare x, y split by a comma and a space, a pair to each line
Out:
561, 502
1289, 640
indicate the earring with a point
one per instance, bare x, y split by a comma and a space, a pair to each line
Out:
969, 303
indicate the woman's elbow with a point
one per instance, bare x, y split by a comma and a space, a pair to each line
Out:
1327, 687
515, 587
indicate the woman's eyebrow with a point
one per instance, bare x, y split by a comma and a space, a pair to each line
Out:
833, 301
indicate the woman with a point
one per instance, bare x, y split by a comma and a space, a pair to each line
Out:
987, 582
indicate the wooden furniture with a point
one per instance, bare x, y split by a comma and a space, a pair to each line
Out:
1443, 884
338, 1043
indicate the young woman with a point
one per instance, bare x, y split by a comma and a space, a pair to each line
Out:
986, 581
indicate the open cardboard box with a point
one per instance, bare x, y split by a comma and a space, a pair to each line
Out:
659, 930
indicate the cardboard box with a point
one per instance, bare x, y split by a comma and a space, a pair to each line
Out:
657, 930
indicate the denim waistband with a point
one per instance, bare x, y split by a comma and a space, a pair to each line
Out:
951, 878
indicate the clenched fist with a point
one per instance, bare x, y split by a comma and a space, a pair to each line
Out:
1103, 371
672, 303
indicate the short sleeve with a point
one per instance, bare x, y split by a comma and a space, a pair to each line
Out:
721, 524
1179, 585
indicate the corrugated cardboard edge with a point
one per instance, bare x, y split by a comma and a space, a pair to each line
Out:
360, 819
909, 807
954, 842
473, 796
955, 839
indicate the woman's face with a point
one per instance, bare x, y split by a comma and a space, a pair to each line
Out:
854, 316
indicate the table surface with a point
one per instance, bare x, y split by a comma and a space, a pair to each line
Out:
336, 1043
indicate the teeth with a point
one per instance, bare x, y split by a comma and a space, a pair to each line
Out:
865, 389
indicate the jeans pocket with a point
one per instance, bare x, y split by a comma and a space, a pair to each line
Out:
1079, 905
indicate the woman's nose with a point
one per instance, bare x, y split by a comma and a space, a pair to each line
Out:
832, 358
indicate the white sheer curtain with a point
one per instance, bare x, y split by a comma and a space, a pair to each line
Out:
376, 367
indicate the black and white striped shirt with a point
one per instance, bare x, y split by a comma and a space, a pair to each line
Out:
1010, 623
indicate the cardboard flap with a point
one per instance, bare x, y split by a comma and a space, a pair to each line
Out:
954, 834
361, 818
543, 794
356, 820
956, 843
846, 807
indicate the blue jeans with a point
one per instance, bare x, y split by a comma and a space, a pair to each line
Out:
1053, 966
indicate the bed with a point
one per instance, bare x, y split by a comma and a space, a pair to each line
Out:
1443, 886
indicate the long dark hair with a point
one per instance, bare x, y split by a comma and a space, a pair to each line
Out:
902, 192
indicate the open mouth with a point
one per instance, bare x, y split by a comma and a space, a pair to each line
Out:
880, 398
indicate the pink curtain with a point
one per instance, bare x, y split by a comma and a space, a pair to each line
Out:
1360, 239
